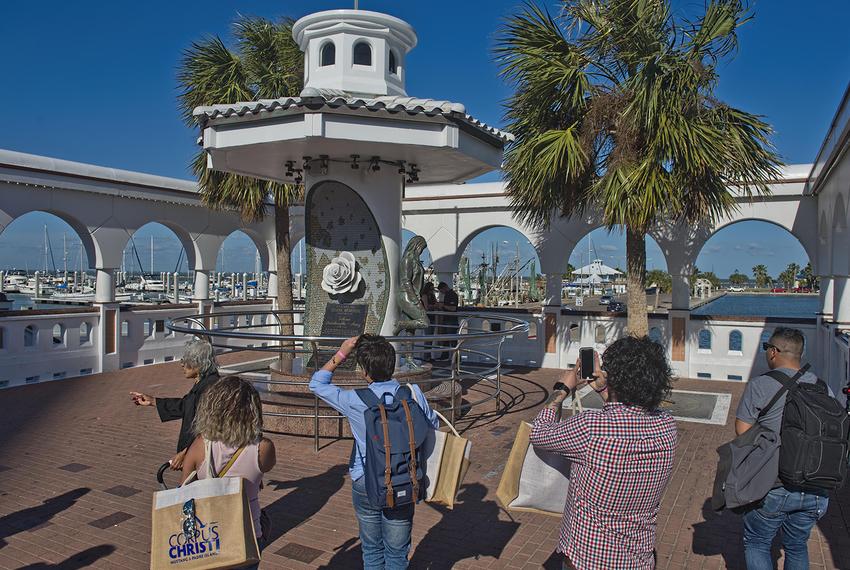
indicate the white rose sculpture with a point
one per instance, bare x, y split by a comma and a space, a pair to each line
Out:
341, 275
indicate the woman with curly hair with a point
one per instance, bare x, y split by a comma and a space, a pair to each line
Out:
230, 420
622, 457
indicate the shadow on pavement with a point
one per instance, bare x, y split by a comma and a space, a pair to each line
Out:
347, 555
471, 530
307, 498
722, 533
80, 560
26, 519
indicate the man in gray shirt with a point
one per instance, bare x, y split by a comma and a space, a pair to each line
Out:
793, 511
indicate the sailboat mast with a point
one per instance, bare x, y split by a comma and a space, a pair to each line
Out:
152, 255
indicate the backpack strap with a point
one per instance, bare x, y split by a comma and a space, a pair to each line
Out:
388, 479
412, 441
367, 396
404, 393
788, 384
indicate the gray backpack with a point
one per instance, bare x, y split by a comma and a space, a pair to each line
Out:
749, 464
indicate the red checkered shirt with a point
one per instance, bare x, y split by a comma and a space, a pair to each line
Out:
622, 460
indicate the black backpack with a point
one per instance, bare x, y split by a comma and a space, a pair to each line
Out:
815, 436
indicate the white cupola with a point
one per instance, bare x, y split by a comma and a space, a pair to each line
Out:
355, 51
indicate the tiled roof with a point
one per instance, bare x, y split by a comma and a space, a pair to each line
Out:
336, 99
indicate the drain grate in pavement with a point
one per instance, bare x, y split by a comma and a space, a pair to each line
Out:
299, 552
111, 520
75, 467
122, 491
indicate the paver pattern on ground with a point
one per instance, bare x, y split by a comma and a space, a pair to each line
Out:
78, 463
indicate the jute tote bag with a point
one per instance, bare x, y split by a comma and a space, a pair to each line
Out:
205, 524
534, 480
446, 456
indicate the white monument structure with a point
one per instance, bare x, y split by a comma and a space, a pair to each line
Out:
354, 139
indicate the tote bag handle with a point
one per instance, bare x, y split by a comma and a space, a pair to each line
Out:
439, 415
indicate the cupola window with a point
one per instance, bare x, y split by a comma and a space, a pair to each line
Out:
393, 65
362, 54
328, 54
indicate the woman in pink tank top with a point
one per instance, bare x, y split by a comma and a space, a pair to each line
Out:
230, 420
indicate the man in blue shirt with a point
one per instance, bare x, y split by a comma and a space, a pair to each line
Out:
384, 533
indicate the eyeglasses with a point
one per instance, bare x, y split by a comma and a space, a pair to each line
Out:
190, 529
766, 345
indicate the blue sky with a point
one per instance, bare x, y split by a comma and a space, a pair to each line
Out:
94, 81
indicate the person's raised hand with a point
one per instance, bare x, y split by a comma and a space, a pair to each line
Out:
600, 377
142, 399
348, 345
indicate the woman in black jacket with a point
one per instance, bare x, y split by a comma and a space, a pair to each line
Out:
199, 364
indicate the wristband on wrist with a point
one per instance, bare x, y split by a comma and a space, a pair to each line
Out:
341, 356
602, 389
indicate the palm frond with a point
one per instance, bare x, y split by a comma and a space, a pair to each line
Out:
209, 74
272, 59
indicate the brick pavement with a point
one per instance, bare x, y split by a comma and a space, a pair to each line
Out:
77, 464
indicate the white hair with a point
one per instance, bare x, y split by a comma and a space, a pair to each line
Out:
199, 354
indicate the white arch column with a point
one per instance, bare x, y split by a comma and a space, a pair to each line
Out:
109, 339
680, 261
826, 296
841, 301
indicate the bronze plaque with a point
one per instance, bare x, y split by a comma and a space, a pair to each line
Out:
344, 320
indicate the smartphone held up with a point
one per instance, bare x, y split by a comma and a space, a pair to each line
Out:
586, 362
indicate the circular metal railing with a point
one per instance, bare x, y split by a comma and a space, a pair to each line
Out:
472, 341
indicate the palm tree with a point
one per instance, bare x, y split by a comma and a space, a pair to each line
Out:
761, 276
809, 276
265, 63
614, 114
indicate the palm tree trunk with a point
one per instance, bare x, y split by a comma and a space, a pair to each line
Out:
284, 279
638, 323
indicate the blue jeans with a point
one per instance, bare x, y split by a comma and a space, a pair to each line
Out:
792, 511
384, 533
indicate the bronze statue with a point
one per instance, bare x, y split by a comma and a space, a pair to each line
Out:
411, 275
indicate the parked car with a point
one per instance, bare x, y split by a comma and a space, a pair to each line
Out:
606, 299
802, 290
616, 307
735, 289
778, 290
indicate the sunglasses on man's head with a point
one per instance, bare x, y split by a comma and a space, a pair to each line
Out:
766, 345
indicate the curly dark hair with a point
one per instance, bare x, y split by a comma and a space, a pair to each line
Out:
376, 356
638, 372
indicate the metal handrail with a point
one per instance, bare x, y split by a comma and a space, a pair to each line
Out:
470, 342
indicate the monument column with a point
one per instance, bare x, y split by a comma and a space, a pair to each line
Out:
329, 234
